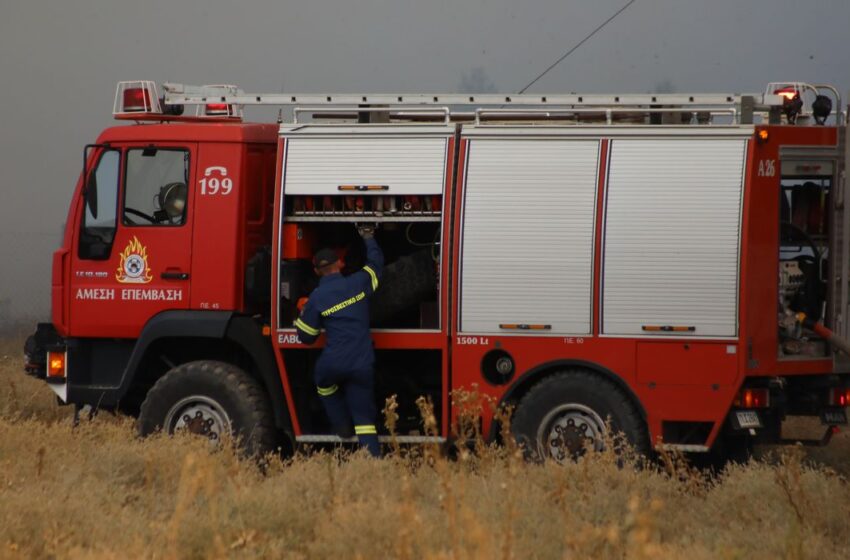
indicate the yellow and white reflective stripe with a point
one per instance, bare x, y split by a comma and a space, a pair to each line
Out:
305, 327
327, 391
365, 430
374, 277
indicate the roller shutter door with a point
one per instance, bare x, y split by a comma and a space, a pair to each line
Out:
528, 229
405, 165
672, 236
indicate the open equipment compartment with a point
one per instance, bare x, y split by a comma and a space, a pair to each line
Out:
334, 177
806, 205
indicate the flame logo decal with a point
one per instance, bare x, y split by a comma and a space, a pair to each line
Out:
133, 266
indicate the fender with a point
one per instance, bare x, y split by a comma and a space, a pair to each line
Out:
245, 332
167, 324
527, 379
173, 324
217, 325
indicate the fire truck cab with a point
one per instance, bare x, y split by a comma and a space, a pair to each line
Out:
673, 267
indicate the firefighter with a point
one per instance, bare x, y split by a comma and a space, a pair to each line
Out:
344, 372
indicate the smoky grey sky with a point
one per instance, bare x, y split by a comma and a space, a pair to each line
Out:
60, 60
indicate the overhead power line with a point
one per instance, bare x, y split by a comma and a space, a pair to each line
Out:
580, 43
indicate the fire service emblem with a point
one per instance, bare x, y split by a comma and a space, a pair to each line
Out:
133, 266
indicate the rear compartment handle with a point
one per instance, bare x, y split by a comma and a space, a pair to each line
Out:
363, 187
525, 327
668, 328
174, 275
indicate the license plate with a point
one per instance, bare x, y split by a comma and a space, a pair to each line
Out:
833, 416
748, 419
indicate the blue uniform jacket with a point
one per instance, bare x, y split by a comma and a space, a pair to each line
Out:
340, 305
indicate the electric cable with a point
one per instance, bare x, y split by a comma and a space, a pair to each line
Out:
435, 244
580, 43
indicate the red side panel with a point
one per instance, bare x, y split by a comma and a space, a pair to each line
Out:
58, 292
216, 241
671, 363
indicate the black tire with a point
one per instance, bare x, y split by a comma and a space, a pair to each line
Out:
585, 399
222, 388
404, 284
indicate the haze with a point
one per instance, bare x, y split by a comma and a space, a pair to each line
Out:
60, 62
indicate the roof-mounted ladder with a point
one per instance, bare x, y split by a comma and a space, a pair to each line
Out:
740, 106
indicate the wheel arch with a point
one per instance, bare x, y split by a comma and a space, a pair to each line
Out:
531, 377
187, 336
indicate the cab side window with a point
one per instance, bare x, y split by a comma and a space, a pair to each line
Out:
156, 192
101, 206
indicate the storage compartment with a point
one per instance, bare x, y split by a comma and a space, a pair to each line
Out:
528, 233
336, 176
403, 160
804, 255
408, 294
672, 237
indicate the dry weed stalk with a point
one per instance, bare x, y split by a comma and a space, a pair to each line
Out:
515, 464
466, 424
334, 498
788, 476
411, 522
13, 398
448, 495
39, 462
430, 427
197, 479
391, 422
691, 480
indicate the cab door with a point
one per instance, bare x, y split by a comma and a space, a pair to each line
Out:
133, 249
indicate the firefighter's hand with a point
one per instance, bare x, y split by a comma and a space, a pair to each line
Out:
301, 303
366, 231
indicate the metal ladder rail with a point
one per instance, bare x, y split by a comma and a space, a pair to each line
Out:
180, 94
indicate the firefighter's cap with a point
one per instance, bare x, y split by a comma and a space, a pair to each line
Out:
324, 257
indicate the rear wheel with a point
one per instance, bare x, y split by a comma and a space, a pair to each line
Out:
570, 412
212, 399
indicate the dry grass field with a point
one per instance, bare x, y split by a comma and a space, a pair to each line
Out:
96, 491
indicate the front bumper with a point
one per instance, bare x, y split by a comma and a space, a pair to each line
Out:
36, 347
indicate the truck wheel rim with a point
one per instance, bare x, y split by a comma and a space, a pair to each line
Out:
569, 430
200, 415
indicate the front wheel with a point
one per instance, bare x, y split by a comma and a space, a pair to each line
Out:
212, 399
567, 413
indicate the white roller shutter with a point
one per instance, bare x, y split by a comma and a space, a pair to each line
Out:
528, 229
672, 235
405, 165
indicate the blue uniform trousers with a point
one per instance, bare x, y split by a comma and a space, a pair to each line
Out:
351, 398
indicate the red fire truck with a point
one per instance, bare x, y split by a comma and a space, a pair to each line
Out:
671, 266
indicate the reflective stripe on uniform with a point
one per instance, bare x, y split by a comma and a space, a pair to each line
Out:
343, 304
365, 430
374, 277
305, 327
327, 391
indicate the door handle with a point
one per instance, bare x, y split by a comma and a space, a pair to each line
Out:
174, 275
